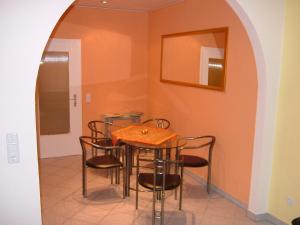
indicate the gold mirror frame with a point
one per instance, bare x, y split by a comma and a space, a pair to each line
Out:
166, 79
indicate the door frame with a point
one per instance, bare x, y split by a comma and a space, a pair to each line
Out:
47, 143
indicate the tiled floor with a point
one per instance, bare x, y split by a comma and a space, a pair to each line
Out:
63, 204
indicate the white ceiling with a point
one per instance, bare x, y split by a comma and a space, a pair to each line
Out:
131, 5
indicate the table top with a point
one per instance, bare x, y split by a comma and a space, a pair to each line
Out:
147, 137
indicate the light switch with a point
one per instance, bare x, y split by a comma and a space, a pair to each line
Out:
88, 97
12, 145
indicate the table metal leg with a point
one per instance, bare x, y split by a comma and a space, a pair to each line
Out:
128, 170
168, 157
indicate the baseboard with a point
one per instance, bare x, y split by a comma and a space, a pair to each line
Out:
255, 217
265, 217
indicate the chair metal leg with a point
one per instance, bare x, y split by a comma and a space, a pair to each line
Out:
128, 170
107, 171
111, 171
208, 179
180, 194
153, 207
181, 188
119, 176
137, 195
84, 192
162, 208
132, 156
116, 175
130, 159
124, 175
118, 168
137, 181
124, 182
176, 169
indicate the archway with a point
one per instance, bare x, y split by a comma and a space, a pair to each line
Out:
268, 85
261, 87
36, 24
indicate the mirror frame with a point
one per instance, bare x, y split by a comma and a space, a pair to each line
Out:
220, 29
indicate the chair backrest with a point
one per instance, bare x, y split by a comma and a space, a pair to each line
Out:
159, 166
158, 122
200, 142
97, 128
89, 143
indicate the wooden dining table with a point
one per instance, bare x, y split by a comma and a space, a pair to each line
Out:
141, 136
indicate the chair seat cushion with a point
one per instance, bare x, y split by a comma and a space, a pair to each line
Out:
103, 162
193, 161
146, 180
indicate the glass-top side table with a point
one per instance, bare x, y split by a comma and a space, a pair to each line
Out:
109, 118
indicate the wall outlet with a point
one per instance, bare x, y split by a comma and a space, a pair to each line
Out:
290, 201
88, 98
12, 146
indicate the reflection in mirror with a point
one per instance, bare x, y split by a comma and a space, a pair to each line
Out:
196, 58
215, 72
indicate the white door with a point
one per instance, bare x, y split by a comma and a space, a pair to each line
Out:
64, 142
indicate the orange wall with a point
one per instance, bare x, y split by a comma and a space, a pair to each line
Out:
229, 115
114, 58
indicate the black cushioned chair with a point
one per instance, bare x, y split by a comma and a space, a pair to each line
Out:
158, 180
109, 160
201, 143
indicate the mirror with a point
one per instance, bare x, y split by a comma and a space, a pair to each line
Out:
196, 58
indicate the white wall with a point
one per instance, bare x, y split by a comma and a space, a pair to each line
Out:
25, 28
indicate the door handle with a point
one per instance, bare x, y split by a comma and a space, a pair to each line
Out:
74, 99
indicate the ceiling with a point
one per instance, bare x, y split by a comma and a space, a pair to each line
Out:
128, 5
